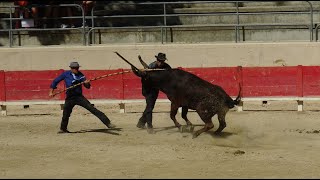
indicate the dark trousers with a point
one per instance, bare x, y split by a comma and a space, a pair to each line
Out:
81, 101
146, 117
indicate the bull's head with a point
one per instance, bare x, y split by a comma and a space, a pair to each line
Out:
138, 72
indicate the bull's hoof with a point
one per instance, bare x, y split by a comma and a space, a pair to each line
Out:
190, 128
195, 135
189, 124
186, 129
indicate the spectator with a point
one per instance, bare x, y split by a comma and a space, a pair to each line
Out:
27, 9
66, 11
51, 12
87, 7
22, 11
35, 4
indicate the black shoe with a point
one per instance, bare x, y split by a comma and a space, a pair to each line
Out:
141, 125
110, 125
63, 131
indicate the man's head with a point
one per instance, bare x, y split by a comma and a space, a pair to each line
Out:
161, 58
74, 66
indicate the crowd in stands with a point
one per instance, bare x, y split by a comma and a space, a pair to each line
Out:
46, 13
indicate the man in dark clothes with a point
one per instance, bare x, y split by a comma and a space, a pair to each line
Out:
150, 93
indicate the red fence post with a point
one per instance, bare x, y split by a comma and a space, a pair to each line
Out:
3, 92
122, 105
2, 86
239, 78
122, 84
300, 81
240, 83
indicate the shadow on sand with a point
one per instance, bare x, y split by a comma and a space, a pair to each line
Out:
109, 131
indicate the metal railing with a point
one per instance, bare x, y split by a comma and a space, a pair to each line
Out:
89, 32
12, 19
236, 25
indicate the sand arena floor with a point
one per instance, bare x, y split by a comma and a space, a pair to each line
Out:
266, 141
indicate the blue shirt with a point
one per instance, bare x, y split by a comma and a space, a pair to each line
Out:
71, 79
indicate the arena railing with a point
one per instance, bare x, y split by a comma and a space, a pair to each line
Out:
236, 25
88, 33
12, 19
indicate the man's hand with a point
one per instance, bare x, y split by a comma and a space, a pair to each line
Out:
51, 94
86, 81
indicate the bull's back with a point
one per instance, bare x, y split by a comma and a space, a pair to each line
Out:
192, 90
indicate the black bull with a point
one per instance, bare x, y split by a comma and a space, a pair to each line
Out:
188, 91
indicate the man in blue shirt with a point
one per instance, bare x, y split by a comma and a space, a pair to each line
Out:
75, 97
151, 93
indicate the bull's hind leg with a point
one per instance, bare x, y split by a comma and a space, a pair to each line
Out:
173, 113
222, 121
184, 115
206, 116
208, 125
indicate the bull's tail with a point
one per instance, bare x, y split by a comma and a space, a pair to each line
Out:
231, 103
238, 99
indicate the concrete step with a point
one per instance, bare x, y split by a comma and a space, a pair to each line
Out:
248, 19
304, 8
254, 4
177, 35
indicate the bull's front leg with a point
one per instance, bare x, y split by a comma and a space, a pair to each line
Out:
173, 113
184, 115
189, 127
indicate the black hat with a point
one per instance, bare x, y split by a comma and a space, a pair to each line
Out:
161, 57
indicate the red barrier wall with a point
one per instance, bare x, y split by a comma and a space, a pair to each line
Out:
269, 81
106, 88
30, 85
311, 80
294, 81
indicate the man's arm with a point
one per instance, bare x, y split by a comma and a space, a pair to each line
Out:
86, 83
152, 65
167, 66
54, 84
